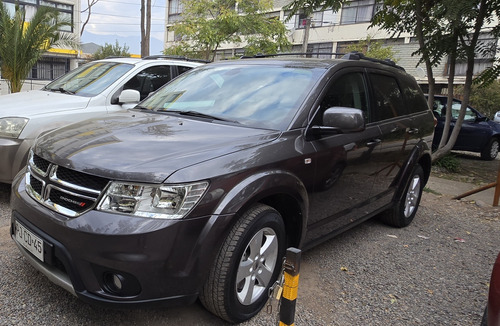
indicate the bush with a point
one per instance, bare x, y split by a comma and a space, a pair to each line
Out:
448, 162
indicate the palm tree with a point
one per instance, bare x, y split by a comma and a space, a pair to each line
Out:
22, 43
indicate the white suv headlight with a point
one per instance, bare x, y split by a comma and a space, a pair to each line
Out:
152, 201
12, 127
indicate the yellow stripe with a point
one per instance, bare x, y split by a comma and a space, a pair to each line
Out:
291, 286
63, 51
283, 324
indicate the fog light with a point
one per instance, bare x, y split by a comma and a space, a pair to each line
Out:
114, 282
118, 283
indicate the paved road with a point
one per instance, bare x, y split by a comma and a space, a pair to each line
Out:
434, 272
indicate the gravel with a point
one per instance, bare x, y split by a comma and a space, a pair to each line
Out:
434, 272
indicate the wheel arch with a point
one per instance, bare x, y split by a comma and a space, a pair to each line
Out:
421, 156
278, 189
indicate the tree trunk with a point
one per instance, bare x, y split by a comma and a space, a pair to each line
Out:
305, 40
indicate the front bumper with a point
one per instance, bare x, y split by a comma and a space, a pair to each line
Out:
14, 153
159, 261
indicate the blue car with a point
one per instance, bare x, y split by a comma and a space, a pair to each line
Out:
478, 134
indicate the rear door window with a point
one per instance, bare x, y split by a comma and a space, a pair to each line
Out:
387, 96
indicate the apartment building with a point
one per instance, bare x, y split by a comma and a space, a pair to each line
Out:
57, 61
334, 31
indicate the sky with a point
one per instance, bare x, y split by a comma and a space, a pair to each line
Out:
120, 20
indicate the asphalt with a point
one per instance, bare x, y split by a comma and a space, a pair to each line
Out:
451, 189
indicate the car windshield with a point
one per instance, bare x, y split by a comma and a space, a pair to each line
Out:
263, 96
90, 79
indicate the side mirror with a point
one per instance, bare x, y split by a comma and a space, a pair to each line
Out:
128, 96
337, 120
345, 119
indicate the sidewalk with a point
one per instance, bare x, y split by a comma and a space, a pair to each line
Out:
450, 188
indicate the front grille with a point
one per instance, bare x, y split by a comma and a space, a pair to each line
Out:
63, 190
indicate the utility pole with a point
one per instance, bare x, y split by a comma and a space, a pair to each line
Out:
145, 27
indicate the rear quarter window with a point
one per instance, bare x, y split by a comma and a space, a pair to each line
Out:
388, 98
413, 95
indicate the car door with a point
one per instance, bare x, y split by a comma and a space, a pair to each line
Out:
345, 169
400, 131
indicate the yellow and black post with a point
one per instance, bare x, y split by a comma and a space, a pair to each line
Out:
290, 287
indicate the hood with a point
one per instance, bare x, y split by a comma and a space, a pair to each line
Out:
33, 103
144, 147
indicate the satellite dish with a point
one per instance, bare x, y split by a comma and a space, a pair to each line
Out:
420, 72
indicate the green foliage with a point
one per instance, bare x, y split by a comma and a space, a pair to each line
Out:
448, 162
22, 42
109, 50
207, 24
373, 49
485, 99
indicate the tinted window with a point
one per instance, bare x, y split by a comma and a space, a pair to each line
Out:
183, 69
346, 91
149, 80
414, 98
388, 98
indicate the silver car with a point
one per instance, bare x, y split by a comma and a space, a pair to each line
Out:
97, 88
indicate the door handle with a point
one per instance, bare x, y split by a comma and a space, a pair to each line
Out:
373, 142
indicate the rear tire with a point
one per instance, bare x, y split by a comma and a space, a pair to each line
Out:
490, 151
247, 264
403, 212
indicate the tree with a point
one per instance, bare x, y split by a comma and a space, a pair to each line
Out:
445, 29
145, 27
485, 98
22, 43
373, 49
308, 7
206, 24
90, 4
109, 50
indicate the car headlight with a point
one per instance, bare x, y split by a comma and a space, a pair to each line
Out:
152, 201
11, 127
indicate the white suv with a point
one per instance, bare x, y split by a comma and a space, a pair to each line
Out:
97, 88
497, 117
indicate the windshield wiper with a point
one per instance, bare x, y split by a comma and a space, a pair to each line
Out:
200, 115
65, 91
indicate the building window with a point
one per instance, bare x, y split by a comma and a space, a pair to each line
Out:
342, 47
317, 49
49, 68
485, 55
175, 9
360, 11
65, 10
318, 19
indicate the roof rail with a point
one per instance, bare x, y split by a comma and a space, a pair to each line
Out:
261, 55
175, 57
355, 55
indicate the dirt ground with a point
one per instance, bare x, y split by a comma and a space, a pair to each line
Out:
472, 169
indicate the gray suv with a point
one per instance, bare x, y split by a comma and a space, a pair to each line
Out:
198, 191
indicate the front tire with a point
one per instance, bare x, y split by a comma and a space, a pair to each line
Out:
403, 212
247, 264
490, 151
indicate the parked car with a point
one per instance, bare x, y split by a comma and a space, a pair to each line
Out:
491, 315
198, 191
97, 88
478, 133
497, 117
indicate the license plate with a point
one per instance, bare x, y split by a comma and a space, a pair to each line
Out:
29, 240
